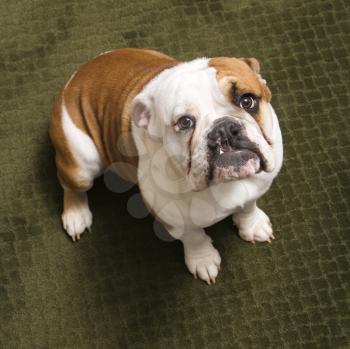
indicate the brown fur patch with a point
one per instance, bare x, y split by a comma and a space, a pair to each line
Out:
244, 76
98, 100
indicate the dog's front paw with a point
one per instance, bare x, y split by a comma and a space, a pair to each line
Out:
255, 226
76, 221
205, 265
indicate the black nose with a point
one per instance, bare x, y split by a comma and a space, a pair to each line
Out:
225, 131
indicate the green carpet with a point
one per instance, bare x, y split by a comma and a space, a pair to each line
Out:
123, 287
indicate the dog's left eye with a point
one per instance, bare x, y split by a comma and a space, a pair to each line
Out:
247, 101
185, 122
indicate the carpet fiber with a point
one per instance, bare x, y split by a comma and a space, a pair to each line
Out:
123, 287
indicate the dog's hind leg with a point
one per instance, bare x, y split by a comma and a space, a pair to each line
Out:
76, 216
78, 163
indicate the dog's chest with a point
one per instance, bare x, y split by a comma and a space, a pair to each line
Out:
207, 207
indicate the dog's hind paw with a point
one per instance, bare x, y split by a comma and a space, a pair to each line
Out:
76, 221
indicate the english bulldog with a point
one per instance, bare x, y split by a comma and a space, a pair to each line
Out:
200, 138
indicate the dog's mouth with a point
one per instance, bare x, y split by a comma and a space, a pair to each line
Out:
223, 147
234, 155
235, 161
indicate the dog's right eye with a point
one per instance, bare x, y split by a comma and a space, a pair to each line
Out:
186, 122
247, 101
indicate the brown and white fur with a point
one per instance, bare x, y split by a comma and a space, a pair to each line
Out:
123, 107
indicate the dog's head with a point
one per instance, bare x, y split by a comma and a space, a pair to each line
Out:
213, 117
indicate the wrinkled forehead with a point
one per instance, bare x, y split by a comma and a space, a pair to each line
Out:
190, 89
207, 86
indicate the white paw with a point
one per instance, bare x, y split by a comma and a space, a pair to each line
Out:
205, 265
254, 227
76, 220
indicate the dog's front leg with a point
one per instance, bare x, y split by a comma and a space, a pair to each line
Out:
201, 257
253, 224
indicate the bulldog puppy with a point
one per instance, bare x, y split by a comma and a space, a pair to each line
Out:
200, 138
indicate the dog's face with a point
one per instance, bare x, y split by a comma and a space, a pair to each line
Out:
213, 117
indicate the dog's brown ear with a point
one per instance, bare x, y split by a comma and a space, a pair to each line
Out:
253, 63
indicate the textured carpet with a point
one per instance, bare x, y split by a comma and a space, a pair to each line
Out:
123, 287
